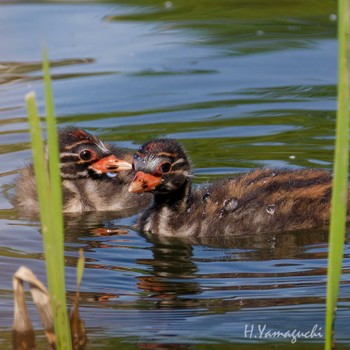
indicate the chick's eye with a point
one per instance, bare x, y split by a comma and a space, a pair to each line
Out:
165, 167
86, 154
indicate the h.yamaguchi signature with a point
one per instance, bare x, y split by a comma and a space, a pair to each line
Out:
261, 331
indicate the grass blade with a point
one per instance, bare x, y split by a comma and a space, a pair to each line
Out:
80, 268
39, 163
54, 240
53, 145
340, 182
50, 202
79, 338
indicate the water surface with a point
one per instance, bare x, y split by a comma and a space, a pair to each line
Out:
242, 85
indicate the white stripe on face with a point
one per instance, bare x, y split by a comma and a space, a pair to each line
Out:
181, 160
102, 147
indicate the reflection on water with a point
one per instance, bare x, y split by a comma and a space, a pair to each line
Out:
242, 85
18, 72
163, 286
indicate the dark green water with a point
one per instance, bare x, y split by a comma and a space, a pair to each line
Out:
243, 84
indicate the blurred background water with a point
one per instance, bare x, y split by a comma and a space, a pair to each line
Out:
242, 84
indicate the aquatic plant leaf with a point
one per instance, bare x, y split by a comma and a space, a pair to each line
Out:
22, 326
77, 325
340, 183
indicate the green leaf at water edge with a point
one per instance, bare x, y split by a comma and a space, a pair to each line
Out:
50, 207
39, 162
55, 236
340, 182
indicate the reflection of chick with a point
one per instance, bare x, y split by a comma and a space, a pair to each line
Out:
260, 201
172, 280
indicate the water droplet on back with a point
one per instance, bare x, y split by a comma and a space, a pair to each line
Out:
270, 209
230, 204
109, 174
206, 197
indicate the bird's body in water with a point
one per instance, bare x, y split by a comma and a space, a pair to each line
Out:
260, 201
85, 184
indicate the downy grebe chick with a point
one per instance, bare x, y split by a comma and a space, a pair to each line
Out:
263, 200
84, 163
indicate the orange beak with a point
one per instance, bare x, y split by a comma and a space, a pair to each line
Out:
143, 182
110, 164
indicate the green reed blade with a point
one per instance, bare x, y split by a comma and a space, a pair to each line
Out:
340, 182
39, 162
80, 268
54, 240
53, 145
50, 202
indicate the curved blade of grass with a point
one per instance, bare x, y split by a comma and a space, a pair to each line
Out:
340, 182
80, 268
39, 163
54, 240
79, 337
50, 202
53, 145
